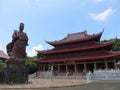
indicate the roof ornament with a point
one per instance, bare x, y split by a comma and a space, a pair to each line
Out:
103, 30
85, 32
64, 38
68, 34
116, 38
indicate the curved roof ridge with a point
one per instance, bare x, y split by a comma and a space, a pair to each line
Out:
81, 36
105, 45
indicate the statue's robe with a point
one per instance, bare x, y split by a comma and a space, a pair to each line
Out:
16, 49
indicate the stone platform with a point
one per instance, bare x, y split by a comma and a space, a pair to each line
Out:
15, 74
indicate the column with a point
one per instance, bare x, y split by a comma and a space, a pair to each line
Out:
85, 67
39, 68
66, 68
115, 65
58, 69
43, 68
95, 66
106, 64
75, 68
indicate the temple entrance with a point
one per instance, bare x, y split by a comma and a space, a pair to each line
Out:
71, 69
111, 65
55, 70
80, 68
90, 67
41, 68
47, 68
100, 65
62, 70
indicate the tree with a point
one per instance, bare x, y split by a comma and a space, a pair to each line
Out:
40, 56
116, 46
1, 63
33, 67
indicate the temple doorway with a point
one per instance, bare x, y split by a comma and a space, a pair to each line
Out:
71, 69
111, 65
100, 65
80, 68
90, 67
62, 70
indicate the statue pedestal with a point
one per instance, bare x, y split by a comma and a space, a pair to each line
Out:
14, 73
15, 63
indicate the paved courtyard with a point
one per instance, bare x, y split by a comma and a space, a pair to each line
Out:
95, 85
46, 83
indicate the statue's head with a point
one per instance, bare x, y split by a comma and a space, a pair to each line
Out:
21, 27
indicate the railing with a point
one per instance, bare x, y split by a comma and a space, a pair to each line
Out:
107, 74
97, 75
48, 74
44, 74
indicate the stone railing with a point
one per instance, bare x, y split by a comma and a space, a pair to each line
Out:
106, 74
48, 74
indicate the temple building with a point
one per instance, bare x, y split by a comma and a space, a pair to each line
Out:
3, 56
78, 53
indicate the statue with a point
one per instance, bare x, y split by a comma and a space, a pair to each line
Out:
16, 49
15, 70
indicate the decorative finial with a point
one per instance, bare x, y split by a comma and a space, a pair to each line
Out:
85, 31
103, 30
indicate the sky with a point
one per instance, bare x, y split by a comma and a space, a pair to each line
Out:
50, 20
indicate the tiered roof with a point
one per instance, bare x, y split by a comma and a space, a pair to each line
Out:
96, 55
88, 47
78, 47
77, 37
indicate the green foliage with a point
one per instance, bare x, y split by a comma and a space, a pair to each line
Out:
1, 63
116, 46
40, 56
104, 41
31, 65
32, 58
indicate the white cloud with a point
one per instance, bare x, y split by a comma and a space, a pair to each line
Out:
103, 15
33, 51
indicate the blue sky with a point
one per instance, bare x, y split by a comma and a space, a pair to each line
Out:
53, 19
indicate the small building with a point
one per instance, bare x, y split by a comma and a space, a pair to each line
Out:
3, 56
78, 53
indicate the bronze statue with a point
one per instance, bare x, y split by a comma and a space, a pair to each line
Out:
16, 49
16, 71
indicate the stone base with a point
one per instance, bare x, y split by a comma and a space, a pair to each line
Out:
15, 63
14, 75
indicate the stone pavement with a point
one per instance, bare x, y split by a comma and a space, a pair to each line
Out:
46, 83
95, 85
